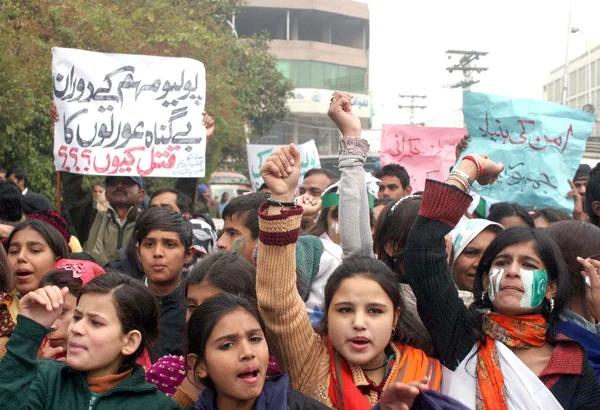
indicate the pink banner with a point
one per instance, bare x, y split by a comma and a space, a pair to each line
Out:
425, 152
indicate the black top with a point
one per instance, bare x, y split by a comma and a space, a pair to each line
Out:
171, 324
443, 313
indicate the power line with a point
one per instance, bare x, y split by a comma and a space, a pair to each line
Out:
412, 105
465, 64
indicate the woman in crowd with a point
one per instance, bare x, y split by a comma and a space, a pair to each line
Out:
115, 318
470, 239
509, 214
218, 273
33, 249
356, 355
581, 315
545, 217
499, 354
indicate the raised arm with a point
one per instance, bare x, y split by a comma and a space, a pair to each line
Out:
22, 384
441, 310
354, 215
296, 344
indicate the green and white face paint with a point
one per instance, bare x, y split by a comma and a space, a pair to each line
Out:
534, 286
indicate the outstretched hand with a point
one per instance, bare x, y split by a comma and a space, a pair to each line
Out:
489, 169
43, 305
401, 396
281, 173
209, 123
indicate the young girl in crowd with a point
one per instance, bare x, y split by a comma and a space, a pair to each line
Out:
498, 355
229, 355
33, 249
115, 318
356, 356
73, 275
217, 273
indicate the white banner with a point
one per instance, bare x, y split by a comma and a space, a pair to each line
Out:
259, 154
125, 114
313, 100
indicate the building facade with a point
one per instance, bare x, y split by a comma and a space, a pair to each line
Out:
320, 46
583, 88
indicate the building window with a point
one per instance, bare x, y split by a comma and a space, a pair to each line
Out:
314, 74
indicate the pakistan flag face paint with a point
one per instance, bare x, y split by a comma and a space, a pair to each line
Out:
534, 286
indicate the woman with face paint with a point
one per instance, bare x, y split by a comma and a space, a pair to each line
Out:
498, 354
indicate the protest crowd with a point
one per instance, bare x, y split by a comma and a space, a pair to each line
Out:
352, 292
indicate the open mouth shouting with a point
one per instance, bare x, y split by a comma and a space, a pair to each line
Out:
359, 343
249, 375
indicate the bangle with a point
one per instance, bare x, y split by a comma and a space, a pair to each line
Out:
455, 178
292, 204
463, 174
474, 160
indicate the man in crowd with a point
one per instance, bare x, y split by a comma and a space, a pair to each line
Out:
240, 230
395, 182
99, 194
2, 174
315, 183
592, 195
205, 237
103, 233
32, 201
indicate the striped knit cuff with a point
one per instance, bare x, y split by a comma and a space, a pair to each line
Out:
281, 229
444, 203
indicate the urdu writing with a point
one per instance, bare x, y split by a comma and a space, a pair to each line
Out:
128, 114
540, 144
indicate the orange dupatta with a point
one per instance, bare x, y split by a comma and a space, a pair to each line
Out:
514, 331
412, 364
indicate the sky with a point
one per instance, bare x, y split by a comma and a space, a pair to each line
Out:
526, 40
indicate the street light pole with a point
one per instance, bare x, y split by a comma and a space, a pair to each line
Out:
566, 74
589, 64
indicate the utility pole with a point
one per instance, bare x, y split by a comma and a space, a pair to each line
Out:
412, 105
465, 64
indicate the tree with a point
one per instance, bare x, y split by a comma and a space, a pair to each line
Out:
244, 90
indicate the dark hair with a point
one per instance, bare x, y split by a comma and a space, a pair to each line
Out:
262, 187
55, 240
393, 228
333, 178
245, 208
5, 276
592, 194
98, 184
19, 174
163, 219
552, 215
395, 170
183, 202
136, 308
11, 202
367, 267
227, 271
548, 251
501, 210
383, 201
576, 238
54, 219
62, 278
203, 321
